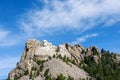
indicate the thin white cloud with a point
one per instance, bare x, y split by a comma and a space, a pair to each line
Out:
6, 38
3, 33
111, 22
7, 63
83, 38
72, 15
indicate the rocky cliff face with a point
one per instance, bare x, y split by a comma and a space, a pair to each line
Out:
43, 55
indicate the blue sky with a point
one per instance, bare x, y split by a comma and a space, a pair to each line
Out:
87, 22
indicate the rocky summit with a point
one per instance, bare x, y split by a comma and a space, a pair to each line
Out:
41, 60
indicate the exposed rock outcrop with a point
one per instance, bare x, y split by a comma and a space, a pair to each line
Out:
38, 51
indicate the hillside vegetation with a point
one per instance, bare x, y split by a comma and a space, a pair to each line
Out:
44, 61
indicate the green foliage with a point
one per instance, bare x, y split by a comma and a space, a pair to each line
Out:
66, 45
41, 67
73, 62
59, 56
54, 56
34, 68
38, 72
70, 78
106, 69
49, 57
65, 59
26, 72
16, 77
39, 62
95, 52
31, 75
46, 72
48, 77
60, 77
102, 50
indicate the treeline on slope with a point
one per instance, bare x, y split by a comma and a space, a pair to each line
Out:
106, 69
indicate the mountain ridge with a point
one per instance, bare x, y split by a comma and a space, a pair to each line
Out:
37, 55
